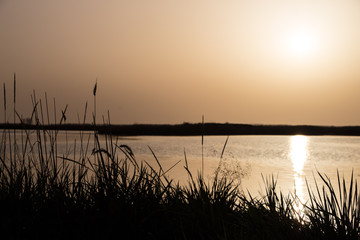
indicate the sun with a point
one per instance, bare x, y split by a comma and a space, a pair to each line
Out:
300, 43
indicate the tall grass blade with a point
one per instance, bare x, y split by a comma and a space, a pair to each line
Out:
4, 102
223, 150
202, 145
47, 109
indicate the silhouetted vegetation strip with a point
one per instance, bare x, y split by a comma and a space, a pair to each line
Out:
105, 192
196, 129
100, 191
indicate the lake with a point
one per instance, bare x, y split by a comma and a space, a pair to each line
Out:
290, 159
248, 159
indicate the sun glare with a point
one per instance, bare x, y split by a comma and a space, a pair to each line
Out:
301, 43
298, 152
298, 155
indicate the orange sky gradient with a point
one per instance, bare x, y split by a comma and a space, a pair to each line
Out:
163, 61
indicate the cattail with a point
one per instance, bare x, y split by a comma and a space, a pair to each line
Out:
94, 115
95, 87
94, 93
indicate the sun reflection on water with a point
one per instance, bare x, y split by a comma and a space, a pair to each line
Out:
298, 155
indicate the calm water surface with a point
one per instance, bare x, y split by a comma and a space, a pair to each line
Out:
290, 159
248, 159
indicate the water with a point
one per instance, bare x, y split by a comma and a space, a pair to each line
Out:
248, 159
292, 160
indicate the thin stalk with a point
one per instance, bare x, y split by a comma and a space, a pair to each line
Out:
94, 117
54, 112
82, 135
47, 109
54, 145
94, 93
4, 135
4, 103
202, 146
14, 97
44, 131
14, 131
221, 156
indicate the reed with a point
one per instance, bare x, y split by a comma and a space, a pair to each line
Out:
94, 94
4, 88
335, 214
83, 193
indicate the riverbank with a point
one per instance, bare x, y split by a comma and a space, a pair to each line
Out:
195, 129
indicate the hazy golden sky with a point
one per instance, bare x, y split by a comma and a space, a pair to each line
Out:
241, 61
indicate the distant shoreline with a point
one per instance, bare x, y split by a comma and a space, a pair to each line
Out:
196, 129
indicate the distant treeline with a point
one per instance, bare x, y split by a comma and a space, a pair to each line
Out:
196, 129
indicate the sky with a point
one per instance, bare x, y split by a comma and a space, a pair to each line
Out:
163, 61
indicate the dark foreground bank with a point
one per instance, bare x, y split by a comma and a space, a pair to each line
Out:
195, 129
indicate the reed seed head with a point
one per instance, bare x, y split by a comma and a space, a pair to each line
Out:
95, 88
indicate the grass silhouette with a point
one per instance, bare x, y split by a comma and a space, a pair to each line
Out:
99, 190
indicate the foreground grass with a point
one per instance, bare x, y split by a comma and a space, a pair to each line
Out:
100, 191
105, 192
